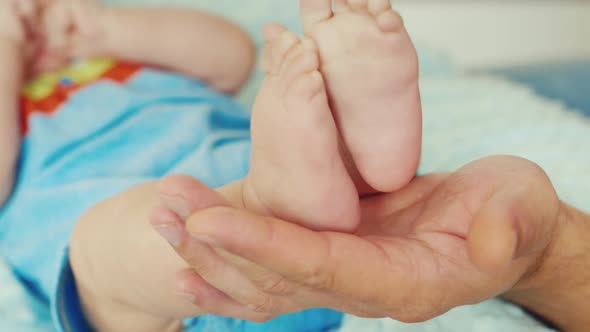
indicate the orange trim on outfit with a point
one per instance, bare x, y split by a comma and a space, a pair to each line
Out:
119, 72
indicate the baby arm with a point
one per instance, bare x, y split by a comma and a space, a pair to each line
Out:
13, 39
191, 42
11, 75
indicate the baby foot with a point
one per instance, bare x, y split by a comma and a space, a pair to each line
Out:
296, 171
371, 71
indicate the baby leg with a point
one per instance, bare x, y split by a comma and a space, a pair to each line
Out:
126, 273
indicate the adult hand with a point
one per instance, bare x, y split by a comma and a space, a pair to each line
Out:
445, 240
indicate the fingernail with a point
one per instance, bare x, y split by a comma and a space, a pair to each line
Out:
170, 232
189, 297
177, 204
206, 239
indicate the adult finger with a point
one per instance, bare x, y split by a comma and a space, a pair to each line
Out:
195, 289
203, 259
331, 262
185, 194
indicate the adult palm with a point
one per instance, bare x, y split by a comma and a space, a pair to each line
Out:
445, 240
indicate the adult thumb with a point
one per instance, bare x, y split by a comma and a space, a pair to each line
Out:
517, 221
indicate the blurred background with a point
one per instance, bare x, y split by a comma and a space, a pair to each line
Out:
499, 33
542, 43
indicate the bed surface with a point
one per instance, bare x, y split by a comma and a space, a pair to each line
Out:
568, 82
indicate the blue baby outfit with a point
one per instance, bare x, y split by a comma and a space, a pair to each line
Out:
106, 138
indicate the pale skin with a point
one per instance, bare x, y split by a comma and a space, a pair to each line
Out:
171, 38
443, 241
13, 37
371, 71
359, 109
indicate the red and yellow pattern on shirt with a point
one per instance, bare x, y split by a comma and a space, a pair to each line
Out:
47, 92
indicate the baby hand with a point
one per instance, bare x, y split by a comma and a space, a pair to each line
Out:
18, 19
20, 22
71, 29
